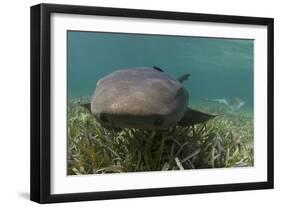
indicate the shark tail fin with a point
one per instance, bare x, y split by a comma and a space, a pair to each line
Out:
183, 78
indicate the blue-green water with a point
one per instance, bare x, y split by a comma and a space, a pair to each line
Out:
219, 68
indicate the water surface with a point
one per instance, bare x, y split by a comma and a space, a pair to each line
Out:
219, 67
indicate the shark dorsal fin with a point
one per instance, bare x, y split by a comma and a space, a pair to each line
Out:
157, 68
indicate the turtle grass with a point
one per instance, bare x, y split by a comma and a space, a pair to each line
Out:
226, 141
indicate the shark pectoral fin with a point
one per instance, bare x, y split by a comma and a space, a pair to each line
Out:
86, 106
192, 117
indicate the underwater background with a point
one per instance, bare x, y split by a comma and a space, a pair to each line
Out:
219, 68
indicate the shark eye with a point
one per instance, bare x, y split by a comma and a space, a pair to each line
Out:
158, 122
103, 118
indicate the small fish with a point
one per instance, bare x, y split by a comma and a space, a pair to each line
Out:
234, 104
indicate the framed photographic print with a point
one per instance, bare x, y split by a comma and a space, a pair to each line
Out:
132, 103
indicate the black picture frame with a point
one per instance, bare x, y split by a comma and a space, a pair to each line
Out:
41, 98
